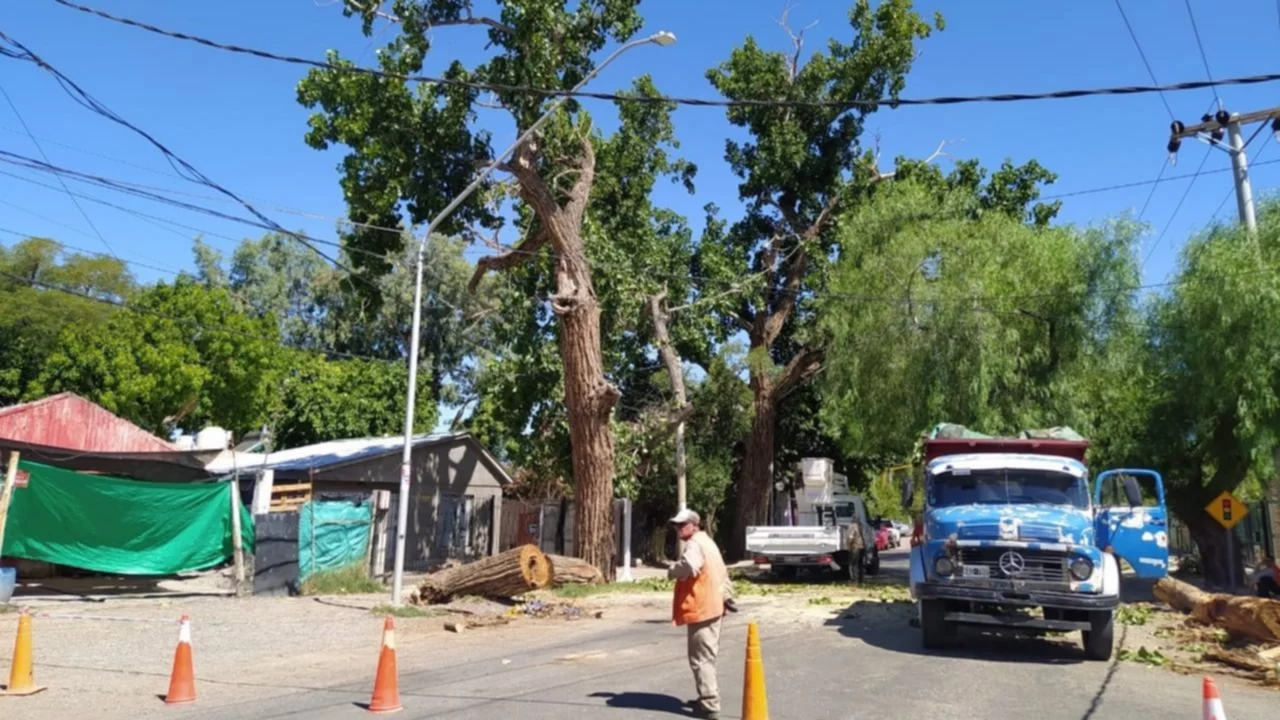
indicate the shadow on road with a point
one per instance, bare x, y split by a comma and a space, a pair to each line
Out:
645, 701
887, 625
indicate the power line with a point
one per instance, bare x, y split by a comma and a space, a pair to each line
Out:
1143, 55
1204, 57
1155, 184
88, 101
696, 102
65, 247
1143, 183
13, 106
1176, 208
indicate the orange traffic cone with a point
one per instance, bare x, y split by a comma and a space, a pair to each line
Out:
182, 681
1212, 702
755, 704
386, 686
21, 679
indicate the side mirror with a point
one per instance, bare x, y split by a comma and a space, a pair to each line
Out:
1132, 491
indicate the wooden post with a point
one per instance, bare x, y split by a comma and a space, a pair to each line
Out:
10, 477
236, 542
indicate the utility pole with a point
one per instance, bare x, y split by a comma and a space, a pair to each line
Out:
1212, 129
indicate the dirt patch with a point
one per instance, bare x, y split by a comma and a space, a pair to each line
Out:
1161, 637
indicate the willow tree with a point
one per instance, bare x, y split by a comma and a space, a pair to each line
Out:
798, 166
413, 146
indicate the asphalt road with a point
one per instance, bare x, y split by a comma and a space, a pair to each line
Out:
865, 662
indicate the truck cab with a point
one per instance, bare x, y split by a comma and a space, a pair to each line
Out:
1013, 535
826, 528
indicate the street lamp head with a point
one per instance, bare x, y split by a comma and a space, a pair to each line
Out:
663, 38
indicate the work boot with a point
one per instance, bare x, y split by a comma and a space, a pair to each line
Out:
702, 711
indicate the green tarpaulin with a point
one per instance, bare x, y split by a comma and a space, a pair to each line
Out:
340, 537
126, 527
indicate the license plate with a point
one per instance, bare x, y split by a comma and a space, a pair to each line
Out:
976, 571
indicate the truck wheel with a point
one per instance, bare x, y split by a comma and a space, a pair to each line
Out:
854, 569
873, 565
1099, 640
785, 572
933, 624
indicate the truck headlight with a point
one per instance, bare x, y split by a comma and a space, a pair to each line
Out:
1081, 568
943, 566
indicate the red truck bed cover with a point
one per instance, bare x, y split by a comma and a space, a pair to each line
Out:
937, 447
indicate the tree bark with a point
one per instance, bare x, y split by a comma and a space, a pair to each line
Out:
675, 370
1252, 617
514, 572
1211, 543
589, 397
568, 570
757, 468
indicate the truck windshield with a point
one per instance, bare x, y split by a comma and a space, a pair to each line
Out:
1008, 486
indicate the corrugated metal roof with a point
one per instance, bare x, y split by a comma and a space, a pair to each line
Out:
71, 422
321, 455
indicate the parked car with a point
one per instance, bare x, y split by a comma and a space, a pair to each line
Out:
895, 536
882, 539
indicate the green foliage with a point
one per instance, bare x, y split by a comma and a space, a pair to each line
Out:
1133, 614
1154, 658
320, 399
350, 580
406, 612
935, 313
179, 346
33, 316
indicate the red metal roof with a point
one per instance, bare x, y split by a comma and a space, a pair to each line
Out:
937, 447
69, 421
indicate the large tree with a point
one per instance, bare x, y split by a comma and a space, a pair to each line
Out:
798, 165
43, 292
413, 147
1201, 399
940, 310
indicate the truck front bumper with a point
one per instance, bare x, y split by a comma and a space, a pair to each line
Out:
1016, 597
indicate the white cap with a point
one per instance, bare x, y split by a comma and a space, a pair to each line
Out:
686, 516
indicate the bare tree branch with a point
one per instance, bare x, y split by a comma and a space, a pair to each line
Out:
806, 364
581, 192
939, 153
522, 253
469, 19
797, 39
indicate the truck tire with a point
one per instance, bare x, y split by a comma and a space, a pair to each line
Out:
873, 565
933, 624
1099, 640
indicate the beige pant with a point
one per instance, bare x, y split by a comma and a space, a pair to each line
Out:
704, 646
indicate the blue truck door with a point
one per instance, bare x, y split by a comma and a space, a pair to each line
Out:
1132, 519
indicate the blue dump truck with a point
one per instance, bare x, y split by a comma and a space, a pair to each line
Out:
1014, 536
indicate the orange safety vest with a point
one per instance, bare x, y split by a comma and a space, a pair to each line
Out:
701, 597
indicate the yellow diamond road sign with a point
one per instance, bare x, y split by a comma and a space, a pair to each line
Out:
1227, 510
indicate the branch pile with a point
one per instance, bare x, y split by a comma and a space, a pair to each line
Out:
514, 572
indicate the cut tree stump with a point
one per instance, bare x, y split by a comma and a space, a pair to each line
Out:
569, 570
514, 572
1250, 617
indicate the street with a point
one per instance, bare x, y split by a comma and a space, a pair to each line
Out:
864, 661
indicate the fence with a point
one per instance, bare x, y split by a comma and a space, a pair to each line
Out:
333, 535
549, 525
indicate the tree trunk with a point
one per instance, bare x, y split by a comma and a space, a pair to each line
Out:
514, 572
1252, 617
589, 399
566, 570
1211, 542
757, 468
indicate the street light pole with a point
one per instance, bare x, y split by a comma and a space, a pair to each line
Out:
402, 510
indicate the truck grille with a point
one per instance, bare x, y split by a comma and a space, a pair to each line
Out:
1038, 565
1034, 532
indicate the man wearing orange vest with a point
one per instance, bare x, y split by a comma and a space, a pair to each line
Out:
702, 588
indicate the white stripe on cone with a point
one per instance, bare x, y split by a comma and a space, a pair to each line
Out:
1213, 709
184, 631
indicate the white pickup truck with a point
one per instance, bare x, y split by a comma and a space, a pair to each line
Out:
831, 530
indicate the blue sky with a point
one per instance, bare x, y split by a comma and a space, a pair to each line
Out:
236, 119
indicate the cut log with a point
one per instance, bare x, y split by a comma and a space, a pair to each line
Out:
569, 570
514, 572
1251, 617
